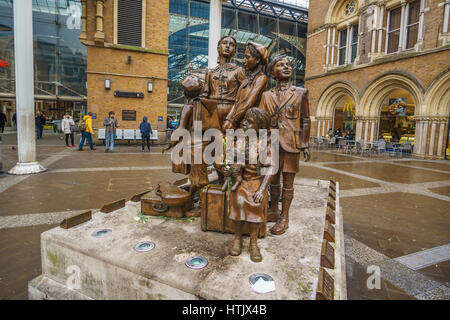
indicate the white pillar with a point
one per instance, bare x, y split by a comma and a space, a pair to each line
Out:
380, 29
423, 138
328, 47
366, 131
441, 138
446, 16
333, 45
215, 25
319, 123
24, 75
432, 137
417, 136
374, 29
402, 27
372, 131
421, 20
358, 129
348, 55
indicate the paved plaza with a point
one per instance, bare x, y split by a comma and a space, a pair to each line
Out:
396, 210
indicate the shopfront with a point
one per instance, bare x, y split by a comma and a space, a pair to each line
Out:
344, 115
396, 118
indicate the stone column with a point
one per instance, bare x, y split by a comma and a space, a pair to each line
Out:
366, 130
380, 29
402, 26
358, 129
441, 138
328, 47
372, 130
446, 16
24, 75
333, 45
319, 124
374, 30
423, 138
215, 25
421, 21
348, 54
83, 33
99, 35
432, 137
417, 136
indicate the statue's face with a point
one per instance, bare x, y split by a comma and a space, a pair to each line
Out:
250, 62
282, 70
227, 47
250, 122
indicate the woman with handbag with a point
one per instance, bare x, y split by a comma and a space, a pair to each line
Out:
68, 127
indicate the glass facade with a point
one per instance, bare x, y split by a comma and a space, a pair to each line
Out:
59, 57
188, 38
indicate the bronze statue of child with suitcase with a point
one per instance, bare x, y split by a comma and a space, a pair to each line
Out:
248, 198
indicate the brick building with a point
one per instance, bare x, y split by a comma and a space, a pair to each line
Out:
381, 68
127, 60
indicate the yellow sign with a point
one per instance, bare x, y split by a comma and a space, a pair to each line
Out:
349, 107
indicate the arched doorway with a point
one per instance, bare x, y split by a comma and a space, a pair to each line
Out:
337, 107
396, 117
398, 94
344, 114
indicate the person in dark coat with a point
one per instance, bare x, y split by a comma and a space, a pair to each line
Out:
14, 120
146, 131
2, 121
39, 121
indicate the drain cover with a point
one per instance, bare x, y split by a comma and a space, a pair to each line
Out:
197, 262
102, 233
256, 276
144, 246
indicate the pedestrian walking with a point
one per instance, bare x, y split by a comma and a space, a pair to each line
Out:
146, 131
67, 126
85, 126
169, 129
2, 121
14, 120
39, 121
110, 124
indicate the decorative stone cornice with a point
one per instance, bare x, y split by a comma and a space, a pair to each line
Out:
431, 118
324, 118
365, 118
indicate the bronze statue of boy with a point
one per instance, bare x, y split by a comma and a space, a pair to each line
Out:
288, 108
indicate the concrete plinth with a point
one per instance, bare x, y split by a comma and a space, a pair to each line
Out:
76, 265
27, 168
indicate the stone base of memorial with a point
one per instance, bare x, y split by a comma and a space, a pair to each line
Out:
115, 256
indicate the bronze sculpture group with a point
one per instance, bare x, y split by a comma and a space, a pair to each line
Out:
233, 98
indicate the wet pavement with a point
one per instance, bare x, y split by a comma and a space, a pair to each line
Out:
392, 208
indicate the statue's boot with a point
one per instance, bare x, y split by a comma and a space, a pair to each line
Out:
236, 246
283, 222
194, 211
255, 254
273, 213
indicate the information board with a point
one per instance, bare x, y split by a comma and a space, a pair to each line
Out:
129, 115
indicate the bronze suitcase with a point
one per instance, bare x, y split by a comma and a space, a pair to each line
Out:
214, 208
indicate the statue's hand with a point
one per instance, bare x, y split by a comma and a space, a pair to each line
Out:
237, 183
306, 154
258, 196
225, 186
227, 125
227, 171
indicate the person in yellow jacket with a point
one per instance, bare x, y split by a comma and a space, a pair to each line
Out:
87, 132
